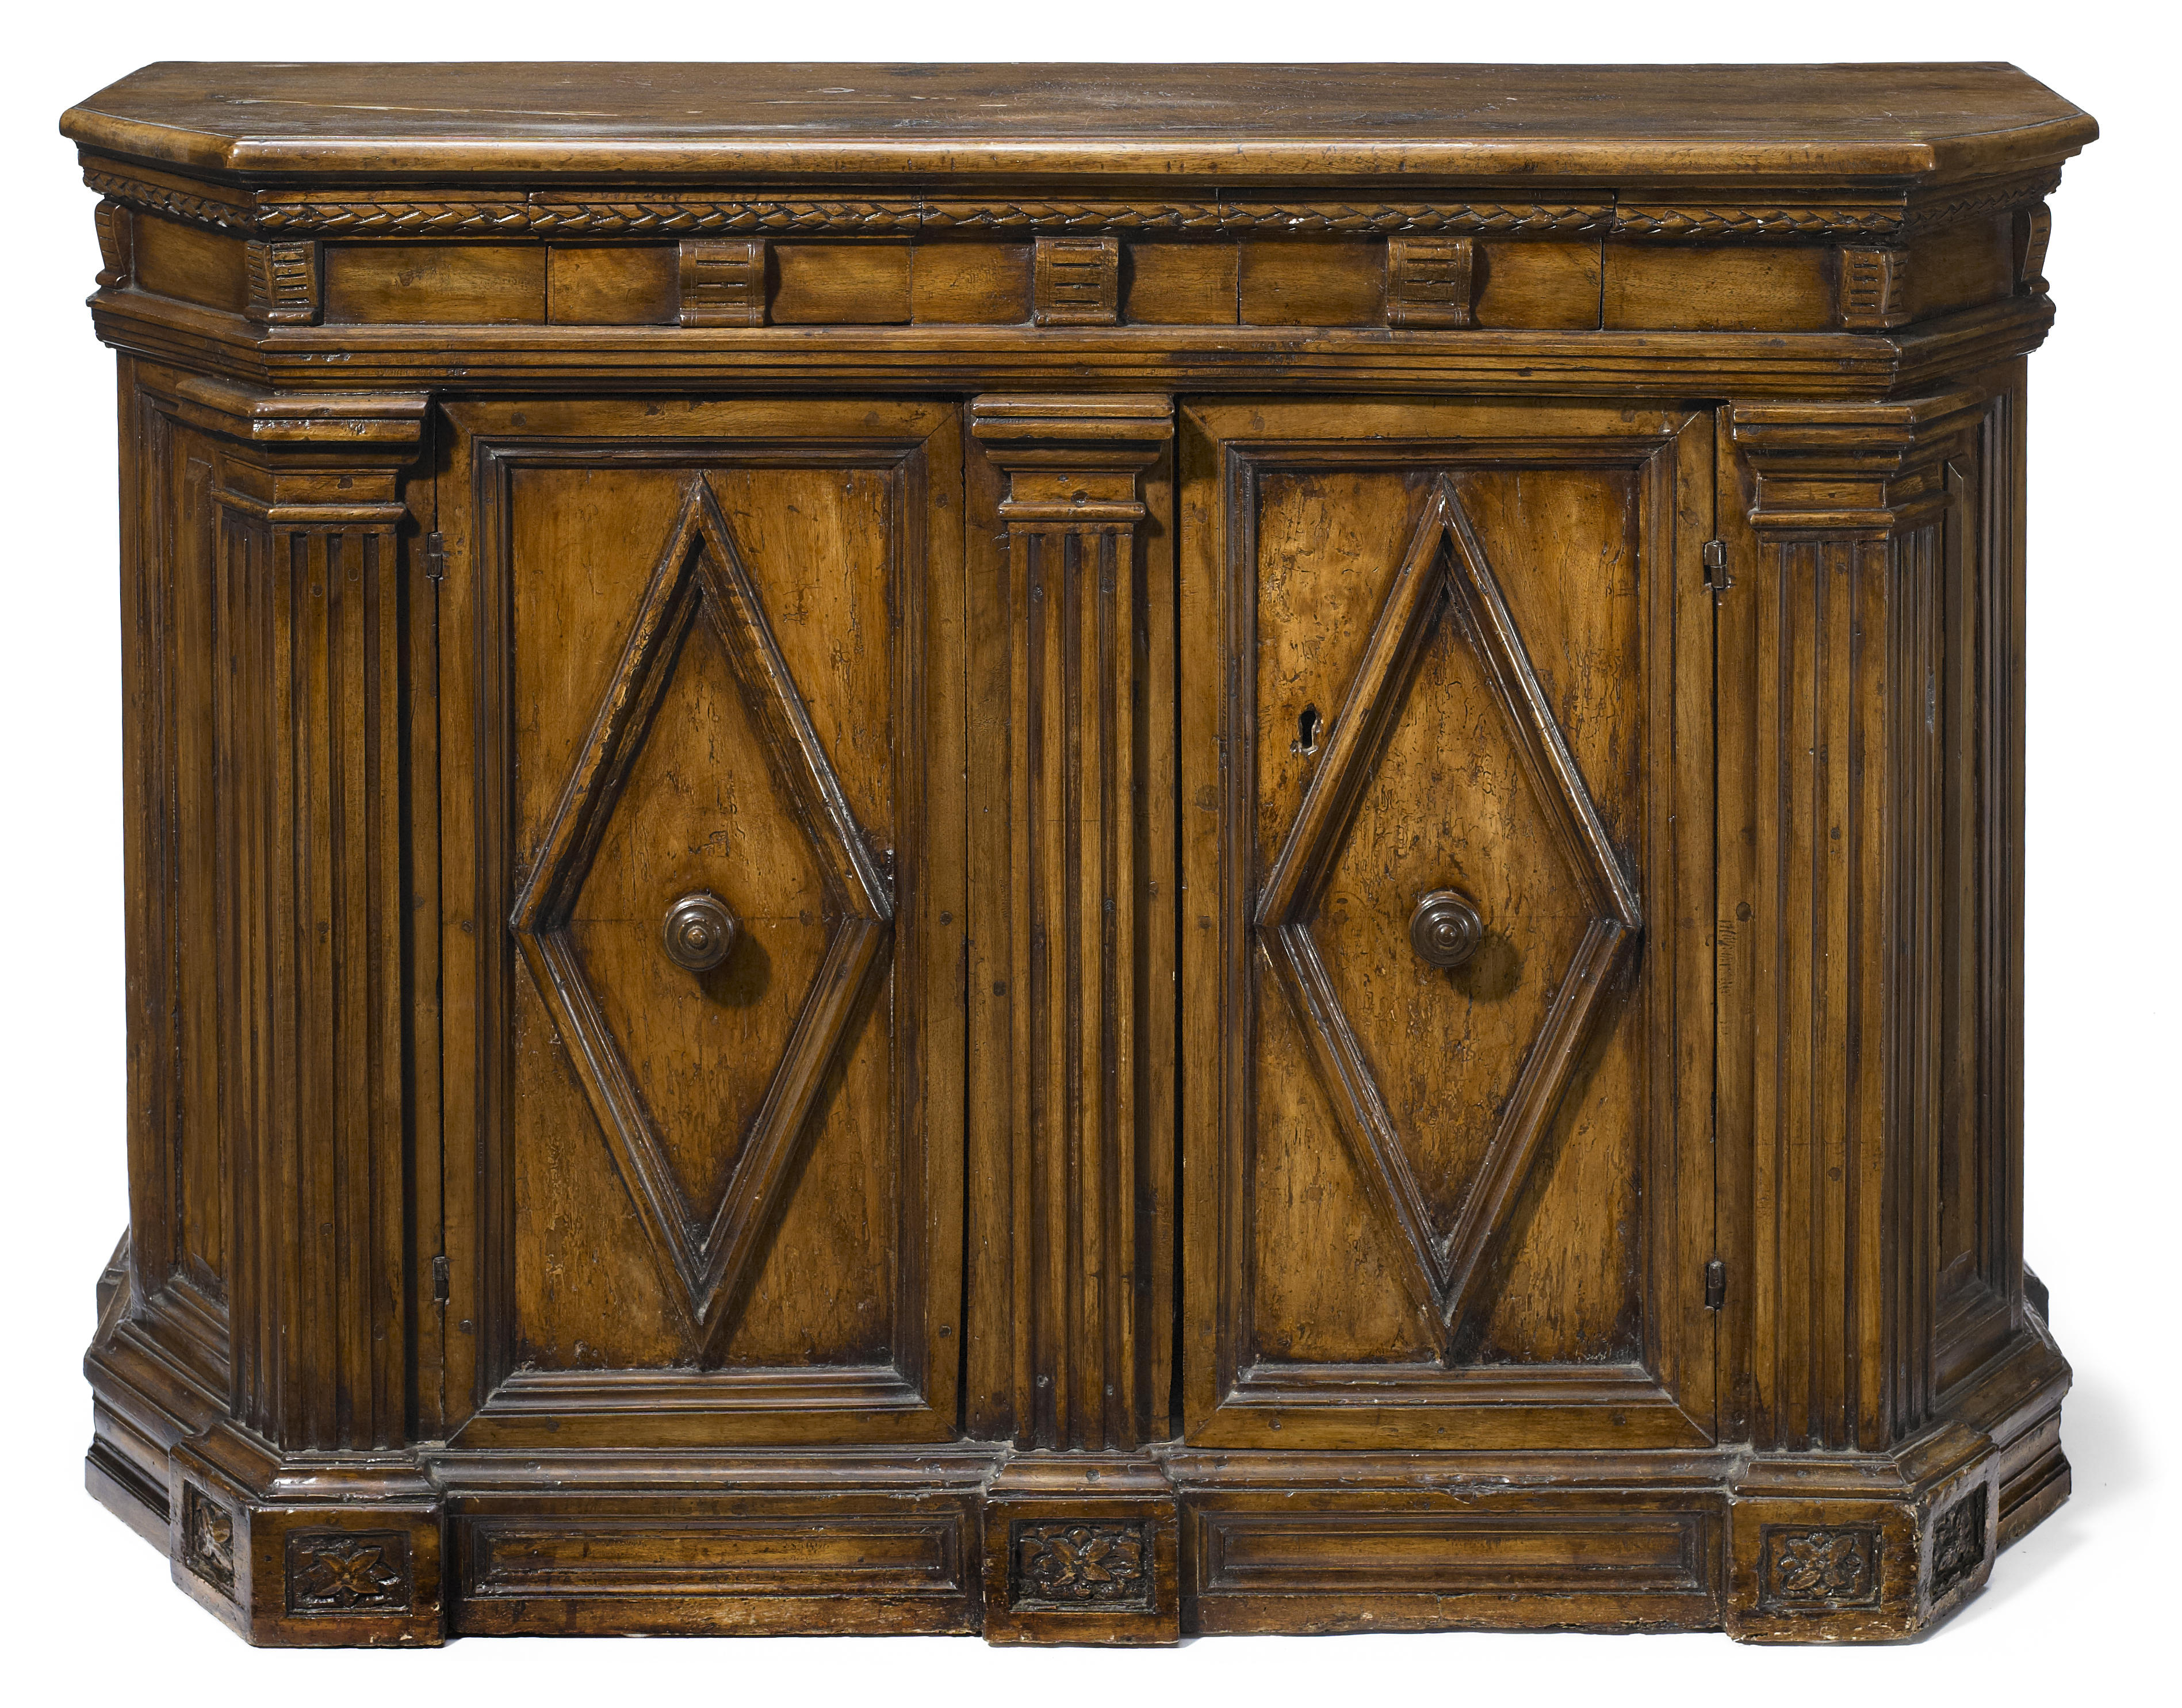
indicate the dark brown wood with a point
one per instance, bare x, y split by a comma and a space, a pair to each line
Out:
1077, 851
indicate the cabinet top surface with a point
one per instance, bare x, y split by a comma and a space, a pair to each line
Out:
1801, 124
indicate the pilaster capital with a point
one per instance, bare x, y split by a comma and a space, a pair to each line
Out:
1849, 468
360, 426
1073, 459
309, 459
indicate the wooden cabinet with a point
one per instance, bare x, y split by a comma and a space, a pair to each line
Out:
881, 885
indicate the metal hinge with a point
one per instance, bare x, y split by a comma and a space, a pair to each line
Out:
440, 1280
1715, 1285
1715, 558
436, 557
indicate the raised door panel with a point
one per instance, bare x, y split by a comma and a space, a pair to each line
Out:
716, 840
185, 668
181, 854
1978, 914
1447, 997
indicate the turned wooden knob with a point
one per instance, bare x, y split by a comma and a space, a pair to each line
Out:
699, 932
1446, 929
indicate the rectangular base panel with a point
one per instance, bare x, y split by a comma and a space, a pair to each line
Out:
753, 1566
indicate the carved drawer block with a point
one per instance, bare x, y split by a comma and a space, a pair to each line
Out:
882, 885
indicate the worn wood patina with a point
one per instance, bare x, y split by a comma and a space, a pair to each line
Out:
1081, 852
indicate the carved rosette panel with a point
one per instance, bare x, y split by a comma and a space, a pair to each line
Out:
1445, 579
1101, 1565
701, 594
1818, 1568
345, 1572
1958, 1542
1072, 511
208, 1538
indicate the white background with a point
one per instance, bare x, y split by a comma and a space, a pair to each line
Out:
2077, 1607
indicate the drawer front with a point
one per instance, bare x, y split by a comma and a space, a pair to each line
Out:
708, 657
1446, 1130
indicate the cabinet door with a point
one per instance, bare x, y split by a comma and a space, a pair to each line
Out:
702, 734
1447, 822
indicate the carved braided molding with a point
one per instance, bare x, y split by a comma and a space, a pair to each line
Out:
405, 216
1674, 222
393, 216
1303, 219
160, 198
292, 214
591, 219
1938, 209
1910, 217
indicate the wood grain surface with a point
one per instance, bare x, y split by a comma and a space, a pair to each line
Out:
1241, 122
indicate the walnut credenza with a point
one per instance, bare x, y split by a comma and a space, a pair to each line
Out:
1077, 851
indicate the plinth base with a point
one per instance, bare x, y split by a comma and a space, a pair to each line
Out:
972, 1537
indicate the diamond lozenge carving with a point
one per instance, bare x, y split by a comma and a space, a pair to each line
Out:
1445, 579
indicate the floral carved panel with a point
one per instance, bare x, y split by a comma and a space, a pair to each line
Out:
1804, 1567
347, 1572
1094, 1566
